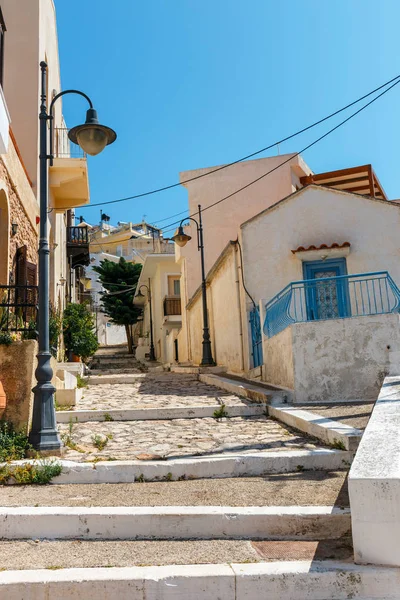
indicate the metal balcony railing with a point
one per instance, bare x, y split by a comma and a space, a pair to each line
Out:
18, 307
339, 297
63, 147
77, 236
172, 306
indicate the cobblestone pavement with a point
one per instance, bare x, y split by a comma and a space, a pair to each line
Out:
127, 440
161, 390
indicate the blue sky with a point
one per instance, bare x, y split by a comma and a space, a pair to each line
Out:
189, 84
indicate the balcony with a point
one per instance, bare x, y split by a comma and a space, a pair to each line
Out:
172, 309
18, 308
68, 177
341, 297
78, 246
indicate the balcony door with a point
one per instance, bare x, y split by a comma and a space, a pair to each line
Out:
326, 298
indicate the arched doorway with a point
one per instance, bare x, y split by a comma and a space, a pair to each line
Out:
4, 238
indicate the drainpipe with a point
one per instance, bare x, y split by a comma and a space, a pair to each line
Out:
237, 281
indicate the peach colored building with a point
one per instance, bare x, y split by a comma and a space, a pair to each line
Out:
221, 222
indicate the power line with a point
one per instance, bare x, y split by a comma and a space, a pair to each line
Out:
174, 185
291, 156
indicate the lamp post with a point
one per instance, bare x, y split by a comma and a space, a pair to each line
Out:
92, 138
181, 238
152, 354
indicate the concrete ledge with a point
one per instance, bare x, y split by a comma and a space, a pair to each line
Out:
297, 580
119, 378
68, 397
175, 523
374, 483
196, 370
146, 414
249, 390
327, 430
228, 465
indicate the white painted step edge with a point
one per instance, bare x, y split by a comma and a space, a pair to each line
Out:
160, 414
175, 523
228, 465
297, 580
327, 430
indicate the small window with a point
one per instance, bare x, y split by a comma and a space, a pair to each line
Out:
2, 32
174, 285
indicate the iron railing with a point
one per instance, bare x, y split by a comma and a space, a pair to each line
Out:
256, 336
339, 297
172, 306
63, 147
18, 307
77, 236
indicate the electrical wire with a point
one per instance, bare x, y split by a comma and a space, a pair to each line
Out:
289, 159
303, 130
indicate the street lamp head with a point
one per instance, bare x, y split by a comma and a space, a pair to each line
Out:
181, 238
92, 137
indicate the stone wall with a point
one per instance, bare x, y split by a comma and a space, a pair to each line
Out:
26, 234
17, 374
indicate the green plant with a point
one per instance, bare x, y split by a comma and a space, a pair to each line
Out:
108, 417
38, 473
99, 441
13, 445
78, 327
220, 413
338, 445
55, 327
119, 307
140, 478
81, 381
5, 338
168, 477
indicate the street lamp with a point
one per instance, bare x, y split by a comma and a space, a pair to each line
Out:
93, 138
152, 355
181, 238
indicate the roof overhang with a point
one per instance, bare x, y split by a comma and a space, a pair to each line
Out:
359, 180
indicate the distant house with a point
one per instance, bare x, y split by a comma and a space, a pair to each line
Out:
159, 284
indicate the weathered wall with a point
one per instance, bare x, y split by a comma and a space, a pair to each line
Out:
343, 359
22, 208
17, 374
333, 360
224, 315
278, 359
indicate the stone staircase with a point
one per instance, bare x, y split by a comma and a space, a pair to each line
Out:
196, 494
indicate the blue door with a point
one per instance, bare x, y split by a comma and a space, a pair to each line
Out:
326, 298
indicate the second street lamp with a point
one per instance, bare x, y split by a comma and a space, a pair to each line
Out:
181, 238
92, 137
152, 354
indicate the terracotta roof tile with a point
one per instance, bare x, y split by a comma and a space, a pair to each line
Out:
322, 247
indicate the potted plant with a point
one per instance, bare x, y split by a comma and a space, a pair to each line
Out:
79, 337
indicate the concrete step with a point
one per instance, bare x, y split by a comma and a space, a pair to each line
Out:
217, 466
70, 554
115, 378
288, 489
175, 522
288, 580
151, 414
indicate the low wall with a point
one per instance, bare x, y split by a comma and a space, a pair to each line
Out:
17, 373
278, 359
333, 360
374, 483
